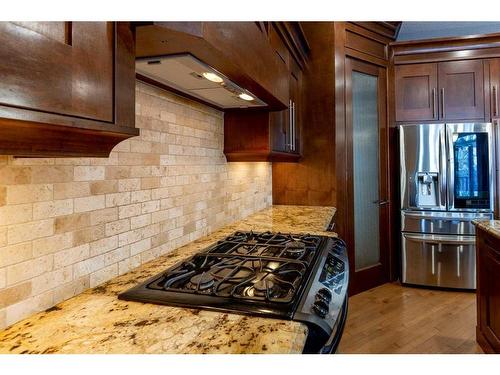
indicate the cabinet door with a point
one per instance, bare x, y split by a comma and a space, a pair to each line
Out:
295, 90
279, 128
494, 87
489, 290
461, 90
416, 96
63, 68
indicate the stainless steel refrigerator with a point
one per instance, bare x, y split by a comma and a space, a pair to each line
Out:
447, 180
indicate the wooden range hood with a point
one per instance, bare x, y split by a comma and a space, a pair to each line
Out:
238, 50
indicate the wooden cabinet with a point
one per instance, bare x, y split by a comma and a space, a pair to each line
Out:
461, 90
488, 291
259, 135
68, 87
452, 90
415, 96
494, 87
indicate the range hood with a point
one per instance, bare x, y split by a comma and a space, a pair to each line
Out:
187, 74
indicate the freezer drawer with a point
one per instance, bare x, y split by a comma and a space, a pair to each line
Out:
459, 223
439, 260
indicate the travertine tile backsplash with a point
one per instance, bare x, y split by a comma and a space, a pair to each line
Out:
68, 224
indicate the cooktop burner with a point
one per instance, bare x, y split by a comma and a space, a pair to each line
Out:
248, 266
291, 276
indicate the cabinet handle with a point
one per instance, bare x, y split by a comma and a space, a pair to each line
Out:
293, 126
495, 101
442, 103
288, 137
433, 103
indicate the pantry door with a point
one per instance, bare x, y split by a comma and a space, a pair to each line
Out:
368, 204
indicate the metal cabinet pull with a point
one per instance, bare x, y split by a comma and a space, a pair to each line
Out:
289, 132
434, 103
442, 104
495, 101
293, 126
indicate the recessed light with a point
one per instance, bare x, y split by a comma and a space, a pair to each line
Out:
245, 97
212, 77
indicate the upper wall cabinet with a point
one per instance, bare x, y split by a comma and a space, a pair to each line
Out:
494, 87
416, 87
452, 90
461, 90
251, 135
66, 88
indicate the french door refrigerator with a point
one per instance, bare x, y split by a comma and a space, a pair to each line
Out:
446, 181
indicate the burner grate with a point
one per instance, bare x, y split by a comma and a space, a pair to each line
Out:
246, 266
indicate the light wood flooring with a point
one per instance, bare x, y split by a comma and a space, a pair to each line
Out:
396, 319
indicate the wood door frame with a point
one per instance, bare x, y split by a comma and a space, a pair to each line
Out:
378, 274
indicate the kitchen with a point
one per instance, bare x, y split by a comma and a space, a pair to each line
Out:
163, 191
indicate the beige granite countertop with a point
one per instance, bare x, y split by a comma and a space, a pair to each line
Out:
97, 322
490, 226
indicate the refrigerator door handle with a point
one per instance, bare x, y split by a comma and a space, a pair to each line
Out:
451, 167
443, 169
440, 240
496, 160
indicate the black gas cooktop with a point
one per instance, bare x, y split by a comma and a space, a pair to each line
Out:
267, 274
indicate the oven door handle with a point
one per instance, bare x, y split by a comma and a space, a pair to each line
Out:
334, 340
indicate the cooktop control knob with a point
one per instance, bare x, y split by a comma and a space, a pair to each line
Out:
320, 308
324, 295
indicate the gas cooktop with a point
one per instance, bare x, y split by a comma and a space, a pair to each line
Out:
269, 274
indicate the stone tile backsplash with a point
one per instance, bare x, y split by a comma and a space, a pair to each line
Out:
68, 224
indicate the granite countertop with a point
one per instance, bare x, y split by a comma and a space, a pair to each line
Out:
97, 322
490, 226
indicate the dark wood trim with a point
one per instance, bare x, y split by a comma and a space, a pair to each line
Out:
483, 342
342, 226
293, 36
446, 49
366, 57
380, 273
386, 29
446, 44
55, 141
367, 33
124, 76
255, 156
465, 54
393, 144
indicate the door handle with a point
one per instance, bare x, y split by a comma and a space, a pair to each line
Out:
380, 202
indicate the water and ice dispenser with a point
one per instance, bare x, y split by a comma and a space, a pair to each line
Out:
427, 189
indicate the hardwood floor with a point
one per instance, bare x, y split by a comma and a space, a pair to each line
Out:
396, 319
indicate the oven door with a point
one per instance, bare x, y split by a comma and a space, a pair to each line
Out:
447, 261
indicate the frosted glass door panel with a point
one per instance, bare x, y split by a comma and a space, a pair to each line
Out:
366, 169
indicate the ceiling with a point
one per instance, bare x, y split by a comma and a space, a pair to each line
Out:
414, 30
